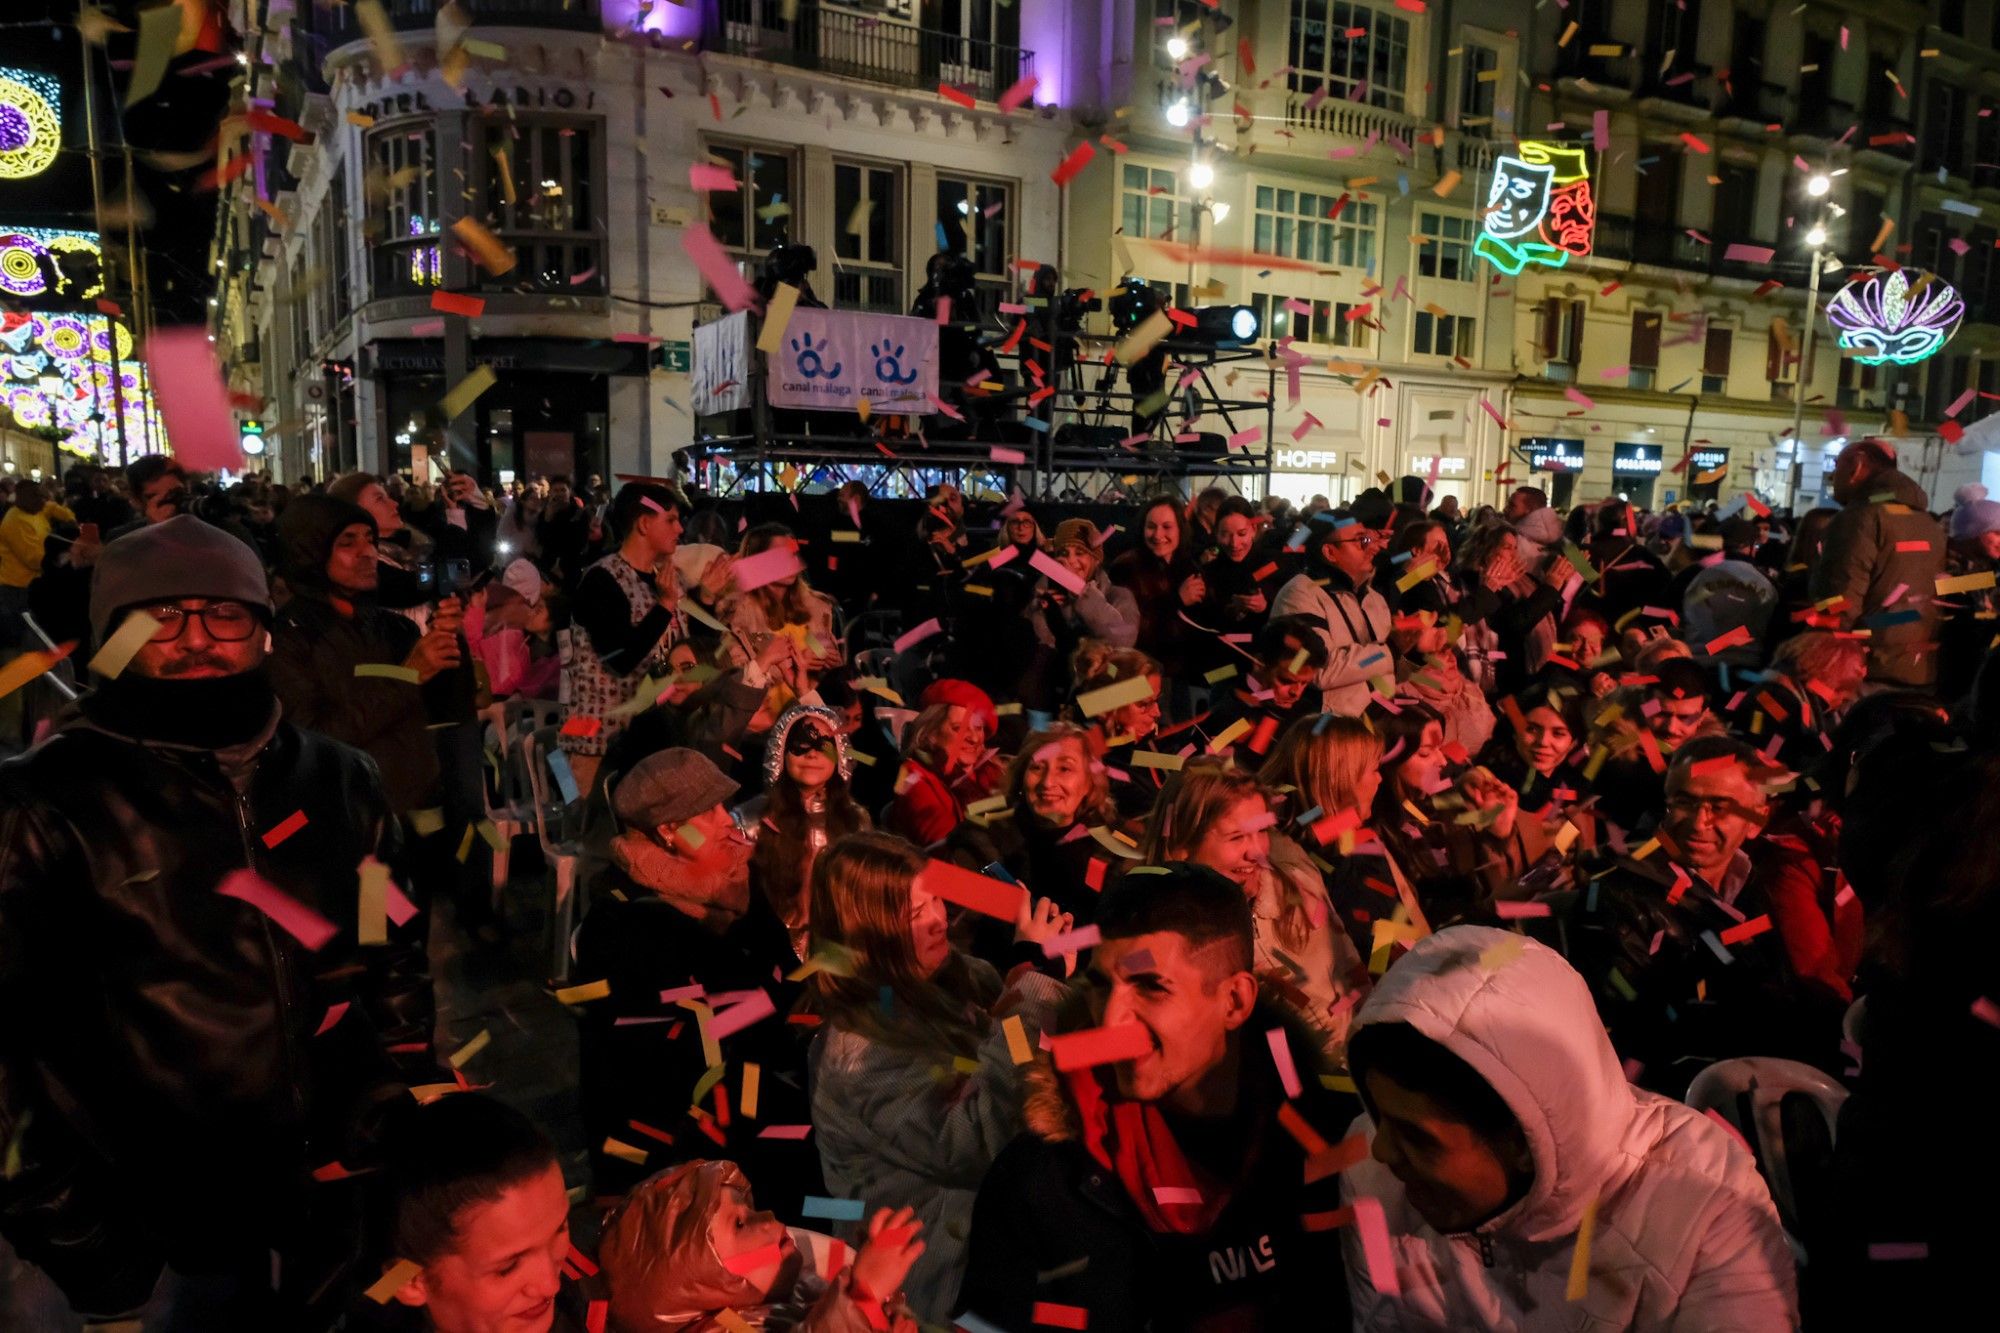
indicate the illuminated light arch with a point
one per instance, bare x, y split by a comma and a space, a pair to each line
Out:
30, 123
1887, 317
28, 255
1539, 208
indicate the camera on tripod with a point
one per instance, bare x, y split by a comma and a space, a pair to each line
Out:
1072, 304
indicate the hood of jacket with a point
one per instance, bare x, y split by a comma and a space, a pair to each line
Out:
1902, 488
781, 731
306, 533
661, 1265
1517, 1013
1544, 527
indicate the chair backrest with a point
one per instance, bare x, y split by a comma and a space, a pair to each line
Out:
551, 812
1787, 1112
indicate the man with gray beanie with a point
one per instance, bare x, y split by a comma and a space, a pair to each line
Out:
203, 1000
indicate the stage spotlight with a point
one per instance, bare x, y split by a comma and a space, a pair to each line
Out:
1215, 324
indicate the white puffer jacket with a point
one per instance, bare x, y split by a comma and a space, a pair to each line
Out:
1686, 1237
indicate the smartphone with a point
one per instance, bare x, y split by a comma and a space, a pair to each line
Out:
87, 532
455, 578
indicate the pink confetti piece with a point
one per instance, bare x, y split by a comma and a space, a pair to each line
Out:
708, 257
194, 405
1579, 397
1243, 438
1749, 254
1519, 911
708, 176
1895, 594
302, 923
1600, 130
1055, 572
784, 1131
1177, 1195
1958, 403
1373, 1226
943, 311
1281, 1056
1004, 556
1074, 941
1899, 1251
679, 993
1986, 1011
334, 1014
766, 567
911, 638
1019, 93
1000, 454
734, 1019
1493, 412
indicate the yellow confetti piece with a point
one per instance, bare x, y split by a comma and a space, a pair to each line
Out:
1229, 735
733, 1322
466, 392
1115, 695
1172, 763
399, 1275
138, 630
1220, 674
711, 1049
1945, 586
857, 218
584, 994
777, 318
753, 1076
1017, 1040
1579, 1263
506, 175
357, 118
1336, 1083
372, 925
1646, 849
625, 1151
1416, 574
1143, 339
487, 249
494, 837
464, 1053
1446, 184
426, 822
465, 845
472, 46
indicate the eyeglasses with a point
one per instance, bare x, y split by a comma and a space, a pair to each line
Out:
1717, 807
225, 622
1367, 541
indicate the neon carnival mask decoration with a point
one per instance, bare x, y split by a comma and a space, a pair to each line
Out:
30, 123
1886, 317
1538, 209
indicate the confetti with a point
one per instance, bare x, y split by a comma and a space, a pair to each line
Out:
296, 919
1100, 1046
119, 650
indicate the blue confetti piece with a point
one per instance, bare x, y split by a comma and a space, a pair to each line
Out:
566, 780
944, 241
972, 1323
1035, 423
835, 1210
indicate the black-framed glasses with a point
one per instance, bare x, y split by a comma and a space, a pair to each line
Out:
1367, 541
225, 622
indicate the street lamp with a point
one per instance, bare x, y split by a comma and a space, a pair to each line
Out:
1815, 237
1177, 48
1201, 175
1818, 185
1177, 113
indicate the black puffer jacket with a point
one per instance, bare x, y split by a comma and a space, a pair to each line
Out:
172, 1068
1053, 1225
316, 647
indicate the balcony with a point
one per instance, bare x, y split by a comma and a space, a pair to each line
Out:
1342, 119
340, 25
872, 50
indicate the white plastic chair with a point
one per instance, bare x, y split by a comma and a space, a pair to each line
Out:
505, 809
551, 814
1753, 1089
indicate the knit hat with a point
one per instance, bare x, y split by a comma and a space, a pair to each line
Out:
182, 557
670, 786
524, 579
1075, 532
964, 694
1975, 519
1970, 493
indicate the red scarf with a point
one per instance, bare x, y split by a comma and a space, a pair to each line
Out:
1134, 1141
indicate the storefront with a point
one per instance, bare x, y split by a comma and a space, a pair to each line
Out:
546, 413
1451, 477
1300, 474
1561, 460
1635, 469
1706, 472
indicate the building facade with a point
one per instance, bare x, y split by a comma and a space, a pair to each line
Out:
1329, 163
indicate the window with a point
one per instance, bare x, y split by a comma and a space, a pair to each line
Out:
1279, 320
1943, 133
867, 208
1349, 51
1864, 219
1349, 325
1442, 335
542, 199
339, 240
1147, 203
1781, 367
1316, 227
975, 219
1561, 336
1735, 204
302, 339
1642, 365
1446, 251
1857, 384
1479, 82
402, 170
758, 213
1715, 352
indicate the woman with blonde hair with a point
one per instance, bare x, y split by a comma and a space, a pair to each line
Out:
946, 763
1221, 817
1055, 793
914, 1087
787, 605
1128, 728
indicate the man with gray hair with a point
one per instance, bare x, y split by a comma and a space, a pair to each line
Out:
1882, 557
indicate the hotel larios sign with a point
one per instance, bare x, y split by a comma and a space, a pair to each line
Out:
418, 102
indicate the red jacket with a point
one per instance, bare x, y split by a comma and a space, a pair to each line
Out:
1812, 905
925, 809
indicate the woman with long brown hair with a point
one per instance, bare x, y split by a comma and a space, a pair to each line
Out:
1128, 728
787, 605
914, 1085
1221, 817
1055, 792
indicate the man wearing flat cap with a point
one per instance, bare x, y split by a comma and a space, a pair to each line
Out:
676, 919
199, 1009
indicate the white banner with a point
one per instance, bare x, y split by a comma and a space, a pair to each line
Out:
722, 365
831, 359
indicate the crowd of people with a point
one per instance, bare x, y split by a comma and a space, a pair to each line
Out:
1175, 913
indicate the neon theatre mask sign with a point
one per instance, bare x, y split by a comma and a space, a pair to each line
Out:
1538, 209
1887, 317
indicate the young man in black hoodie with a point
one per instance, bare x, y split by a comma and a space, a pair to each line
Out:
1192, 1187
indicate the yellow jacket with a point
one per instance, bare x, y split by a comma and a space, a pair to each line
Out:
21, 538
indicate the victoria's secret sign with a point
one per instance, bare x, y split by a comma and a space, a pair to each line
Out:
550, 99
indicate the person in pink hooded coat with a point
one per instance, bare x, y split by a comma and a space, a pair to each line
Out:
1505, 1141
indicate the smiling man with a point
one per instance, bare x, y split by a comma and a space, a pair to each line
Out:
163, 1133
1352, 618
1164, 1191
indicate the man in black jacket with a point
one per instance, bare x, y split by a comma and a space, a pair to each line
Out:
1177, 1191
206, 1008
675, 924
